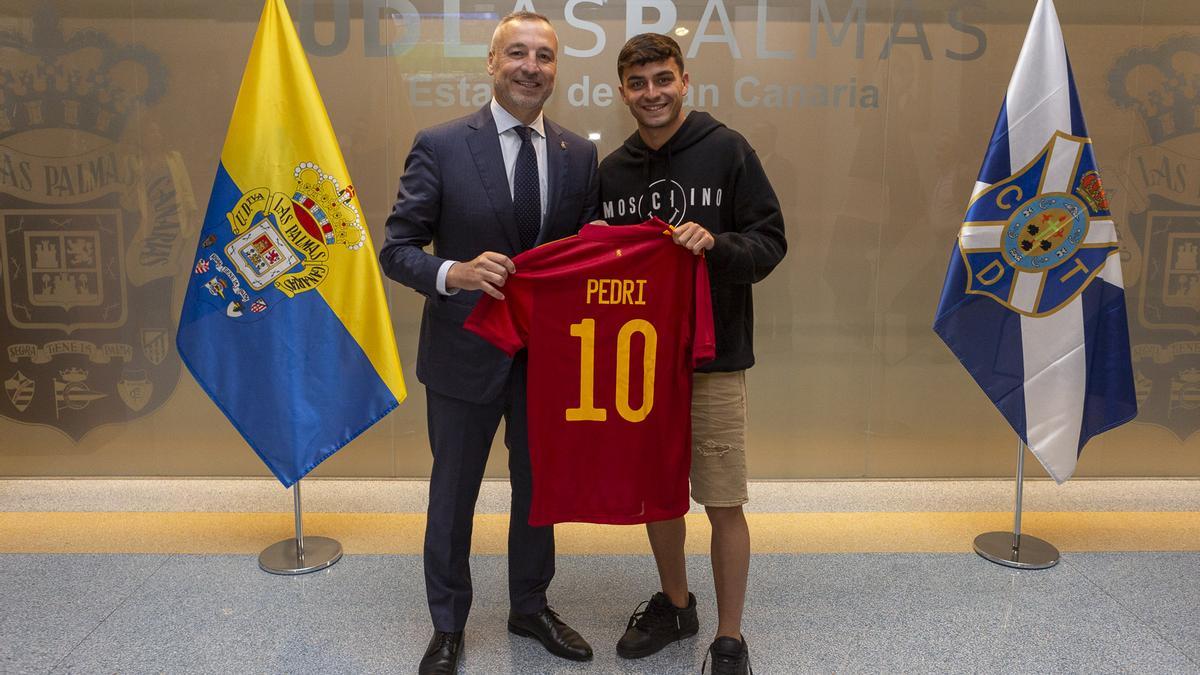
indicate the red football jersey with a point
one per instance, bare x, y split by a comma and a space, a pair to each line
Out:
615, 319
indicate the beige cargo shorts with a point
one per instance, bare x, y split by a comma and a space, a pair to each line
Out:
719, 439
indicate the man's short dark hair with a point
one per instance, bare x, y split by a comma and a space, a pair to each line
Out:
524, 15
514, 17
648, 48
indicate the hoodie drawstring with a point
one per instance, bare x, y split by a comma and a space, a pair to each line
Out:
649, 156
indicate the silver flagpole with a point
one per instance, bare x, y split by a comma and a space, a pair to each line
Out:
299, 555
1013, 549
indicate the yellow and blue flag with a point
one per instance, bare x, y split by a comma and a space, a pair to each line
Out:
285, 324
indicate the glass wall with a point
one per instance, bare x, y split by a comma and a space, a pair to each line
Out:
870, 116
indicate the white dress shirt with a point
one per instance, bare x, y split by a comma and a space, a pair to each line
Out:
510, 145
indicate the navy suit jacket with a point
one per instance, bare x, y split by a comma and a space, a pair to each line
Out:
455, 194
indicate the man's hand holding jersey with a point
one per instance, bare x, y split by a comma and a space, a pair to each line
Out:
486, 273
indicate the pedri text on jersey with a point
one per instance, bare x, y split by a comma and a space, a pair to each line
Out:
616, 292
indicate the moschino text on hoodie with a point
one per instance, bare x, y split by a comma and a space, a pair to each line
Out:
709, 174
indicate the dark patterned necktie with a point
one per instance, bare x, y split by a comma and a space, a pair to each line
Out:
527, 199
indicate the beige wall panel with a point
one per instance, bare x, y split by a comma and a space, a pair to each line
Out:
873, 159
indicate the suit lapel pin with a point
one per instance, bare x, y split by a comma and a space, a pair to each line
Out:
562, 144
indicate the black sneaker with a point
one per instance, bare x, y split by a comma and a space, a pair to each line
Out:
729, 657
657, 626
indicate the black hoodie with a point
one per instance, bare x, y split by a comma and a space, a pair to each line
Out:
709, 174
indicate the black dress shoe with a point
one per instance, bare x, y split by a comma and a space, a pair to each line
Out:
557, 637
441, 656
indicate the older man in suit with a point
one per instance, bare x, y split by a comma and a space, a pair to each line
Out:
483, 188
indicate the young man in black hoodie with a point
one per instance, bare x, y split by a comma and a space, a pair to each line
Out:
703, 178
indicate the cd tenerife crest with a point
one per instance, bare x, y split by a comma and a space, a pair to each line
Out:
1034, 241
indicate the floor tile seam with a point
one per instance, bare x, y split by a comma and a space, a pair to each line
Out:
166, 557
497, 512
1132, 611
844, 664
206, 533
1154, 494
75, 508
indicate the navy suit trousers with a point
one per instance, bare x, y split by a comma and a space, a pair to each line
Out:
460, 435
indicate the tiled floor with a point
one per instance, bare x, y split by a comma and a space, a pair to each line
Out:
1125, 598
1131, 612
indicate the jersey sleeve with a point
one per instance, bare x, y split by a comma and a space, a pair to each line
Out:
499, 321
704, 338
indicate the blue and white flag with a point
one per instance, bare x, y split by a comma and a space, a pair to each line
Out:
1033, 304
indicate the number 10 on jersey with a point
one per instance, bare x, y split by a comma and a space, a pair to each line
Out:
587, 411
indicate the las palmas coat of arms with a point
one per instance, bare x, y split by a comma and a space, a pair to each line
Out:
276, 244
1160, 190
92, 221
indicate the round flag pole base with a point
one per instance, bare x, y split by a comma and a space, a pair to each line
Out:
284, 557
1028, 553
